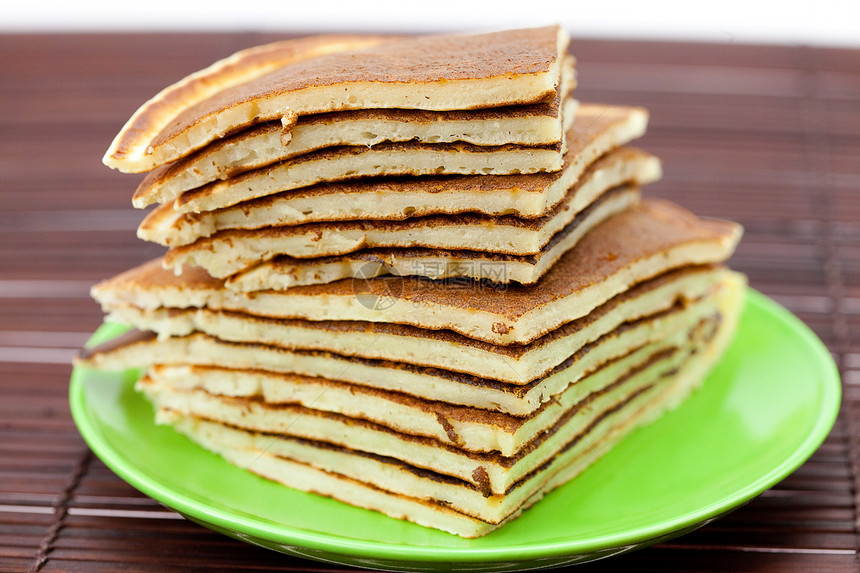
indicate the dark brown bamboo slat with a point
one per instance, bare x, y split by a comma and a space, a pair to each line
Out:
766, 135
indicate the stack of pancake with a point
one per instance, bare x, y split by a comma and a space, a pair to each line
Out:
412, 274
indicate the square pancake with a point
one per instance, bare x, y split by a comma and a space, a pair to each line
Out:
453, 267
468, 428
530, 376
596, 131
302, 194
516, 364
271, 142
590, 370
499, 478
431, 486
326, 74
377, 482
639, 243
374, 482
503, 472
235, 250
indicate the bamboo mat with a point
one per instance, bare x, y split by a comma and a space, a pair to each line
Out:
768, 136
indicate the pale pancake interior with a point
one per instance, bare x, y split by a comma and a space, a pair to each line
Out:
465, 72
517, 484
229, 252
270, 142
400, 343
630, 247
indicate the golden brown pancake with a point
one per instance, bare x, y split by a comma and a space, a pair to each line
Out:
349, 432
596, 131
509, 481
325, 74
468, 428
489, 470
229, 257
377, 482
455, 404
374, 341
533, 376
590, 370
282, 272
260, 145
334, 471
590, 202
633, 246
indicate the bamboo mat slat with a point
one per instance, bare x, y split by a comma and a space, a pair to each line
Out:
766, 135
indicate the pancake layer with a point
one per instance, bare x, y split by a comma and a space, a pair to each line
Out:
633, 246
516, 364
275, 141
325, 74
496, 489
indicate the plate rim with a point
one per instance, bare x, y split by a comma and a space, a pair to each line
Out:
199, 511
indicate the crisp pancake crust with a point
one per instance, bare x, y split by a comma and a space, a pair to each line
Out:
442, 349
269, 142
596, 134
332, 74
633, 246
597, 196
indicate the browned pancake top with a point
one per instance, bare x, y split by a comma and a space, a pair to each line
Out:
548, 109
166, 104
409, 60
591, 122
648, 229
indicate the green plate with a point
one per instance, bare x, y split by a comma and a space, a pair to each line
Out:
764, 410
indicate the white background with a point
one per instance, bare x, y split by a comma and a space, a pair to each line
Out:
815, 22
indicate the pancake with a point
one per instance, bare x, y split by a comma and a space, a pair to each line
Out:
407, 276
355, 433
596, 131
633, 246
465, 427
578, 423
325, 74
260, 145
282, 272
384, 159
367, 481
518, 364
260, 193
624, 165
334, 472
531, 375
590, 370
489, 470
500, 476
231, 251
